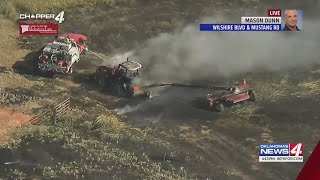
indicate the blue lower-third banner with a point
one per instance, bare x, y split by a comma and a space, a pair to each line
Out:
240, 27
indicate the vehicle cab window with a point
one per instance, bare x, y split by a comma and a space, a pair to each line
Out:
121, 70
81, 41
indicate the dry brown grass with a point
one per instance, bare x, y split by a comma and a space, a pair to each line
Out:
308, 88
10, 8
10, 119
10, 80
9, 51
282, 87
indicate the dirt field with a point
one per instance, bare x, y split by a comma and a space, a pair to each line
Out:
165, 137
9, 120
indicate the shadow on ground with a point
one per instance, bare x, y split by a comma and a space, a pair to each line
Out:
29, 64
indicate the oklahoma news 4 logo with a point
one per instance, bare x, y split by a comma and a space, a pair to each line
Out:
42, 16
281, 152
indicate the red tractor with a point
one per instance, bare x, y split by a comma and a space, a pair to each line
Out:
231, 96
122, 80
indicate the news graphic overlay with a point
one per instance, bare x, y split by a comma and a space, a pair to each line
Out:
310, 170
268, 23
281, 152
43, 16
291, 20
41, 28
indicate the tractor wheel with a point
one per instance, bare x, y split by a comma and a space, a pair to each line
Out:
252, 95
121, 91
118, 90
101, 82
219, 107
130, 92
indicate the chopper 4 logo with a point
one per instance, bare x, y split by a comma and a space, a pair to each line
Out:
40, 29
41, 16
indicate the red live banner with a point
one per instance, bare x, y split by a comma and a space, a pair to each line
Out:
274, 12
39, 29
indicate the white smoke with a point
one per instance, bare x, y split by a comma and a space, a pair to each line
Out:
117, 58
191, 54
127, 109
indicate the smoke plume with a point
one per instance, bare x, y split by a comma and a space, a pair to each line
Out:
190, 54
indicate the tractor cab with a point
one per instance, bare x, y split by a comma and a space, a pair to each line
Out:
129, 69
121, 80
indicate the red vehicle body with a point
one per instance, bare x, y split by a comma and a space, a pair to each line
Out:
80, 39
239, 93
60, 55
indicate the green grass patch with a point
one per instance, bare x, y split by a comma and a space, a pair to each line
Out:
83, 146
274, 88
17, 96
245, 110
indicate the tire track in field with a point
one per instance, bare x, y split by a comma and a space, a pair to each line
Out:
231, 155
